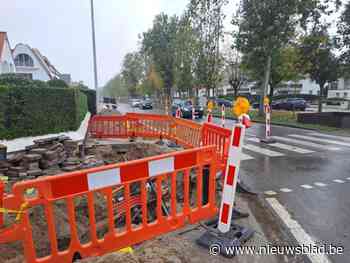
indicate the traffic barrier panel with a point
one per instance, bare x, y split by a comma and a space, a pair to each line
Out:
133, 181
220, 137
184, 132
187, 133
101, 126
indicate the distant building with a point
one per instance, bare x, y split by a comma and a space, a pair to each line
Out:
340, 89
7, 64
31, 64
66, 78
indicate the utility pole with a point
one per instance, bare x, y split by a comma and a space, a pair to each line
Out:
94, 54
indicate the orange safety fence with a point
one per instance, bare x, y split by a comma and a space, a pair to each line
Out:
187, 133
165, 192
220, 137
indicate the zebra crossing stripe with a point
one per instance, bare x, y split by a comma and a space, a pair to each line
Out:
285, 147
320, 140
246, 157
306, 143
344, 138
261, 150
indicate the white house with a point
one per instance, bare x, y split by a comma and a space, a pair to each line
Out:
341, 89
7, 64
31, 64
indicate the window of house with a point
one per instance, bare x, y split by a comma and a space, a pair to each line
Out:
24, 60
345, 94
337, 94
310, 92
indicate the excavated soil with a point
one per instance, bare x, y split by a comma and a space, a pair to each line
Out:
165, 250
109, 153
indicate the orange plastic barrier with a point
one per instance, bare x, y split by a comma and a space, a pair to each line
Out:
184, 132
218, 136
173, 170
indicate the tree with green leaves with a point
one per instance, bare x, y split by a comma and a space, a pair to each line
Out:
158, 43
133, 71
186, 48
267, 26
115, 88
321, 64
235, 75
207, 20
344, 40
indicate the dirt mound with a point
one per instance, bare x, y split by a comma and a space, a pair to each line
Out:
165, 250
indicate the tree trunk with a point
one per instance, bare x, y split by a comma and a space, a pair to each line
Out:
266, 85
320, 98
235, 92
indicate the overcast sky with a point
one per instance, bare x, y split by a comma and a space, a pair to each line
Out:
61, 30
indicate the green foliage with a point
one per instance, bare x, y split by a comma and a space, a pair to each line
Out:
115, 88
91, 98
159, 44
57, 83
207, 17
321, 63
29, 110
132, 71
344, 40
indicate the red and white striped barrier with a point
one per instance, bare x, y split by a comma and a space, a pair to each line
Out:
223, 113
193, 112
210, 116
268, 121
231, 176
178, 113
109, 177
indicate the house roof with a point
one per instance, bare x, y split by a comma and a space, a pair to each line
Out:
52, 71
3, 37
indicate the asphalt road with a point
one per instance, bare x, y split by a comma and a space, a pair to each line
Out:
308, 173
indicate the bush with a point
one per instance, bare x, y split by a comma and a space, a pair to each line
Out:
57, 83
30, 110
91, 99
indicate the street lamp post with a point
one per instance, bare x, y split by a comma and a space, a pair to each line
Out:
94, 54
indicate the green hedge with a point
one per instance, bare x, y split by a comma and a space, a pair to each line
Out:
29, 110
91, 99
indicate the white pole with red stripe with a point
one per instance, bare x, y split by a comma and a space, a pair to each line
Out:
210, 116
268, 121
178, 112
231, 176
223, 113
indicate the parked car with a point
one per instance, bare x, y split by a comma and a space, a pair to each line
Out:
135, 103
146, 104
220, 102
290, 104
186, 109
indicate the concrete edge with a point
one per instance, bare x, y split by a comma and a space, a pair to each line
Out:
284, 229
19, 144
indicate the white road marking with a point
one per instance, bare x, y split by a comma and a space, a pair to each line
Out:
284, 146
306, 186
261, 150
344, 138
339, 181
319, 140
246, 157
310, 144
286, 190
297, 231
320, 184
270, 193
